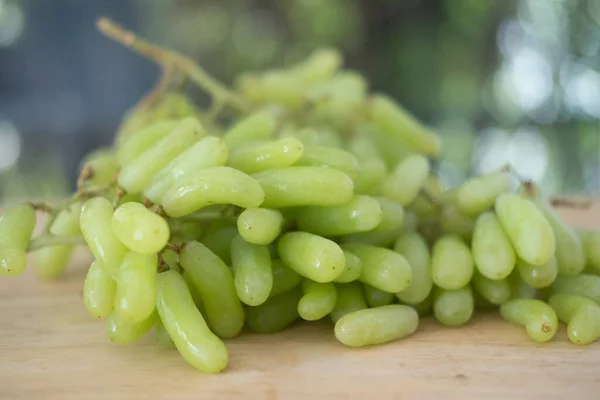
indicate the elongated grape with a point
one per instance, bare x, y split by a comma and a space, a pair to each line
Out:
284, 278
253, 277
451, 263
96, 227
99, 292
304, 186
392, 215
260, 225
414, 248
101, 167
143, 139
425, 307
350, 298
382, 268
520, 289
494, 291
453, 221
318, 300
127, 332
312, 256
352, 269
492, 250
372, 168
215, 185
136, 287
538, 276
51, 262
374, 238
528, 230
396, 123
209, 151
275, 314
137, 174
258, 126
260, 156
329, 157
582, 285
570, 257
479, 194
214, 282
376, 325
376, 297
590, 241
538, 318
140, 229
274, 87
16, 228
219, 239
201, 348
162, 336
361, 214
407, 179
453, 307
319, 66
581, 314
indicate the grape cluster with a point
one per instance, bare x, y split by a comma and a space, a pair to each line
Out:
318, 201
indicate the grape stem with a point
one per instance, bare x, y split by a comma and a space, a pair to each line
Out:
47, 240
166, 57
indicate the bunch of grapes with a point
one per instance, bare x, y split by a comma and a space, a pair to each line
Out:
318, 201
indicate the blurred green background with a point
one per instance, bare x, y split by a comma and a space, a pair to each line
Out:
504, 81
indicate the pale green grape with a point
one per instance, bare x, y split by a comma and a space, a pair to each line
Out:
591, 246
451, 263
273, 87
392, 215
407, 179
260, 225
416, 251
162, 336
372, 169
376, 297
257, 126
126, 332
201, 348
143, 139
252, 272
350, 298
101, 165
99, 292
352, 269
538, 318
581, 314
319, 66
259, 156
520, 289
453, 307
136, 287
318, 300
218, 240
538, 276
276, 313
284, 278
581, 285
479, 194
493, 253
140, 229
329, 157
494, 291
16, 228
453, 221
374, 238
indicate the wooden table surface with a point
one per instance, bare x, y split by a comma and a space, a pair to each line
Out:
50, 348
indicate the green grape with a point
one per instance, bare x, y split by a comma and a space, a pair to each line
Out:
218, 240
453, 221
210, 151
414, 248
376, 297
410, 222
140, 229
96, 227
382, 268
350, 298
361, 214
479, 194
451, 263
453, 307
318, 300
254, 157
214, 282
102, 165
183, 231
581, 315
352, 269
493, 253
136, 287
51, 262
494, 291
319, 66
581, 285
396, 123
99, 292
538, 276
338, 98
260, 225
136, 175
569, 254
260, 125
310, 136
425, 307
126, 332
274, 87
194, 292
374, 238
305, 186
372, 169
201, 348
143, 139
275, 314
376, 325
284, 278
16, 228
538, 318
528, 230
312, 256
392, 215
407, 179
520, 289
591, 246
214, 185
329, 157
252, 272
162, 336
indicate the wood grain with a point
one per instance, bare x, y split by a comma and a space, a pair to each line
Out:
50, 348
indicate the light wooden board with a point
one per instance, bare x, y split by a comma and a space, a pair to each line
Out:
50, 348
